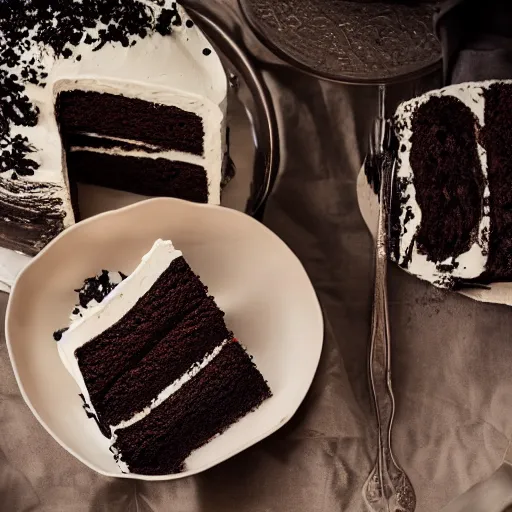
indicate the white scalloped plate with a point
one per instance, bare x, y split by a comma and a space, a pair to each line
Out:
269, 302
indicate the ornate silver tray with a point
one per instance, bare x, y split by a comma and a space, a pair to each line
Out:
364, 42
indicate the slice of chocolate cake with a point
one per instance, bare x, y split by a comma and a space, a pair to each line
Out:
452, 204
441, 219
155, 362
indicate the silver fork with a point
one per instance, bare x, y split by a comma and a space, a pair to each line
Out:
387, 489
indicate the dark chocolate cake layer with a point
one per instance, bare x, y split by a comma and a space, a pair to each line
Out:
106, 358
229, 387
130, 118
145, 176
185, 344
447, 177
496, 138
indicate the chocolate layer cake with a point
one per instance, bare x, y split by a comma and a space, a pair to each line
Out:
452, 212
157, 365
125, 94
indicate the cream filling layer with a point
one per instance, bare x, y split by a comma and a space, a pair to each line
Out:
120, 139
172, 155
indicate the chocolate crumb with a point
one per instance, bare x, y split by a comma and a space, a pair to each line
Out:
57, 335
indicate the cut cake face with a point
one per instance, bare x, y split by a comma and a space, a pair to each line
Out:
452, 215
157, 367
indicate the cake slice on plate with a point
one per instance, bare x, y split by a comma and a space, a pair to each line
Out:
157, 366
452, 204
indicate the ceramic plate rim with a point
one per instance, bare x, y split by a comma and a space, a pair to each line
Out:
317, 314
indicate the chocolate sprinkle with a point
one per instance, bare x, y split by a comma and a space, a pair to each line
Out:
96, 288
57, 335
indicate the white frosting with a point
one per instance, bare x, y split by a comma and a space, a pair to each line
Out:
170, 70
472, 263
168, 155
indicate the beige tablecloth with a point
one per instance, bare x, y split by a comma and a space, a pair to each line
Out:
451, 357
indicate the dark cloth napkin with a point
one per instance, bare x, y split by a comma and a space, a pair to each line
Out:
476, 38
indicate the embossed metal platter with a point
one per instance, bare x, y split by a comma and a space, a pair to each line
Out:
349, 41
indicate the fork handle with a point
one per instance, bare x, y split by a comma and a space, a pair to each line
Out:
380, 360
388, 488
